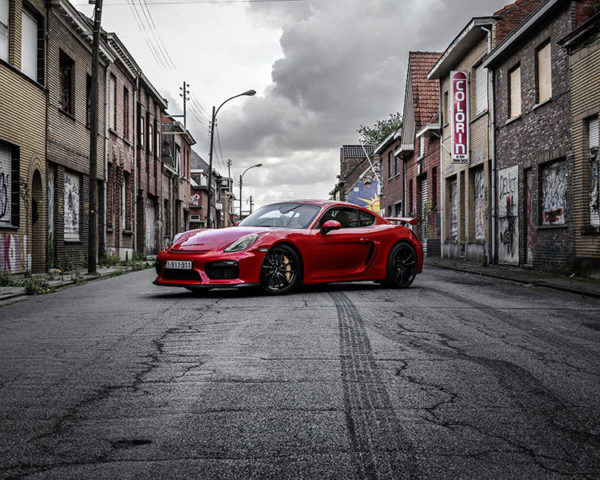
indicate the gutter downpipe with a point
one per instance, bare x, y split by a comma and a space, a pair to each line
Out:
442, 201
106, 153
492, 110
134, 166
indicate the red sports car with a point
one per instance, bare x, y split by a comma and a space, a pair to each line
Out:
287, 244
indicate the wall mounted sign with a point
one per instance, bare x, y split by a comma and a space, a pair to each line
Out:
459, 116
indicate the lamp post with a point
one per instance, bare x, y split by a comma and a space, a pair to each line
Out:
241, 178
249, 93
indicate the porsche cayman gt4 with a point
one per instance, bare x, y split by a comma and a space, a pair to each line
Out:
287, 244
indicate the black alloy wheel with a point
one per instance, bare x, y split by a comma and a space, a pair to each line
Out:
402, 266
280, 271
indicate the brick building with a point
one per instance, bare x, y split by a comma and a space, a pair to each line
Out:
121, 150
392, 198
419, 149
69, 67
355, 160
534, 160
466, 153
22, 136
583, 46
151, 208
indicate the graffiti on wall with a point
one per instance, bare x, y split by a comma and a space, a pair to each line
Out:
5, 182
479, 204
71, 206
12, 253
529, 213
554, 193
366, 195
594, 187
508, 215
453, 210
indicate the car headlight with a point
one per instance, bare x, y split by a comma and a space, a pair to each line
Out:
242, 243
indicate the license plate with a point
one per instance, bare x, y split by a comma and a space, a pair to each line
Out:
179, 264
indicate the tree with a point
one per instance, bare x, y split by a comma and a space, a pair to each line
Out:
380, 131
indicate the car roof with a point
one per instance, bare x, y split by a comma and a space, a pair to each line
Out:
319, 203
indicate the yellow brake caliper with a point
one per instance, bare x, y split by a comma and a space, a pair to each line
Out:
288, 268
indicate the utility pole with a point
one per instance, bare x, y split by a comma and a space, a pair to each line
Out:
93, 193
251, 204
229, 188
185, 91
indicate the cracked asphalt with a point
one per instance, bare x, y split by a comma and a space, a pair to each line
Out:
457, 377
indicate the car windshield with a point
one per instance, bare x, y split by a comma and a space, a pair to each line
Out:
282, 215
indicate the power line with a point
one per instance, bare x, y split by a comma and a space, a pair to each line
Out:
142, 27
191, 2
157, 36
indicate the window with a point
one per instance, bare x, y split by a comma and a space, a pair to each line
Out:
125, 113
4, 12
88, 97
434, 187
544, 73
157, 134
409, 201
445, 108
112, 103
141, 125
110, 196
366, 219
481, 89
124, 203
594, 182
177, 158
127, 201
9, 185
66, 83
150, 133
397, 166
421, 147
348, 217
514, 91
554, 193
71, 206
390, 164
29, 44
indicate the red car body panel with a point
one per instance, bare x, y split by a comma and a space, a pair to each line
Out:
343, 255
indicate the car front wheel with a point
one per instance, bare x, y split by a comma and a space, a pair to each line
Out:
281, 270
401, 266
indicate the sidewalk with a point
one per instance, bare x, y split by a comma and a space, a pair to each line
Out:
57, 281
584, 286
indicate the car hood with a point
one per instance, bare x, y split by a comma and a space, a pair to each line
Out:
206, 240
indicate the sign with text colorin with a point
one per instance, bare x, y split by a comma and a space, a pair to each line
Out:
459, 116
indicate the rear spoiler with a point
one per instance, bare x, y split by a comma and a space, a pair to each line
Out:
409, 220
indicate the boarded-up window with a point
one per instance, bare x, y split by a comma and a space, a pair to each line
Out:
4, 30
594, 183
71, 207
29, 45
515, 92
453, 211
66, 83
6, 178
112, 103
544, 73
554, 193
481, 89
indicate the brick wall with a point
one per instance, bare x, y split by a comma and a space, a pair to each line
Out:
392, 184
535, 139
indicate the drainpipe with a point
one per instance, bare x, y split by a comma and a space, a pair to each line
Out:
492, 150
442, 201
135, 159
106, 113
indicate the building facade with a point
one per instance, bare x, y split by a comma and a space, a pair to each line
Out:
583, 46
466, 154
68, 136
392, 198
419, 149
23, 221
535, 195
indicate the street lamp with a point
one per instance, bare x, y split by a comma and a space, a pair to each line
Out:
241, 177
249, 93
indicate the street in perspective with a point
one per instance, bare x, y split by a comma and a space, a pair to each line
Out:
460, 376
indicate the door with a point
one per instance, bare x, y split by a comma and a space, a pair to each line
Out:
424, 217
150, 238
340, 252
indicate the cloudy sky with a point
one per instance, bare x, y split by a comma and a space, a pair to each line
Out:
321, 68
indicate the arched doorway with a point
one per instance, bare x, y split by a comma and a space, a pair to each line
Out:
38, 229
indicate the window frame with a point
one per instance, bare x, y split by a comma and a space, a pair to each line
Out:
13, 198
538, 77
112, 102
511, 88
6, 27
125, 112
66, 71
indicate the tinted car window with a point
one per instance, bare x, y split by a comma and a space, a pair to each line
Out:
366, 219
282, 215
347, 216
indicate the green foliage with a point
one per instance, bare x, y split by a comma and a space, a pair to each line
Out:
66, 264
109, 261
7, 280
380, 131
78, 278
37, 286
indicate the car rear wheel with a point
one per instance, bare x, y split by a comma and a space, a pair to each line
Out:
401, 266
281, 270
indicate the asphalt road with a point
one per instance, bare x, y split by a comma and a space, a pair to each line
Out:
460, 376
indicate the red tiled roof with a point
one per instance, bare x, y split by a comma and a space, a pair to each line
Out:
512, 15
426, 93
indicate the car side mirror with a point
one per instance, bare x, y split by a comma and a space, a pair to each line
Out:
330, 225
236, 223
